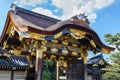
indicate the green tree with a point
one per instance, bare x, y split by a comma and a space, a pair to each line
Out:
113, 71
113, 39
46, 75
49, 70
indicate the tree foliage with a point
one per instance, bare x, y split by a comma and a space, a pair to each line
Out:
49, 70
113, 71
113, 39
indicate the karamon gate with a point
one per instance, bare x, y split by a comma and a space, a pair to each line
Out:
40, 37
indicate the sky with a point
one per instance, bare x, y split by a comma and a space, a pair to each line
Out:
104, 15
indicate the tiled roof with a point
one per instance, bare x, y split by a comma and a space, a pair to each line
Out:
33, 17
12, 61
96, 61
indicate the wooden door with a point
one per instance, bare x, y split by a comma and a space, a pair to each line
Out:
75, 70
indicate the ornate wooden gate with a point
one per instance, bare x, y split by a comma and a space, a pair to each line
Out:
75, 70
34, 35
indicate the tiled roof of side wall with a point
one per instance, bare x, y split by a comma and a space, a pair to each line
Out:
12, 60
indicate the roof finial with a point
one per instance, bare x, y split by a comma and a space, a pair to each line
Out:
13, 7
82, 17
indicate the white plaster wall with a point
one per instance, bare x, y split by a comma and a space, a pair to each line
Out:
5, 75
89, 77
18, 75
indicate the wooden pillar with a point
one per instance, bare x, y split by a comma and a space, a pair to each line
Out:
26, 74
57, 70
93, 76
84, 57
12, 75
38, 67
85, 67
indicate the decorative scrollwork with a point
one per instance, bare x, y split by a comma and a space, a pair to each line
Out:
82, 17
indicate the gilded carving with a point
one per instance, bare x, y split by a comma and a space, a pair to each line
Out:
65, 52
92, 43
54, 50
74, 53
6, 54
16, 52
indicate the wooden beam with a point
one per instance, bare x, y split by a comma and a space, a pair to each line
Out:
38, 67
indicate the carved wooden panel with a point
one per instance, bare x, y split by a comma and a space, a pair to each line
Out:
75, 70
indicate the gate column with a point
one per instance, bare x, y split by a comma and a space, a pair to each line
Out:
38, 67
84, 57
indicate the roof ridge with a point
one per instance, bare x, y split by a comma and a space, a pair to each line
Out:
17, 10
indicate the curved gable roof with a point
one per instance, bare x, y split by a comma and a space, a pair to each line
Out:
25, 20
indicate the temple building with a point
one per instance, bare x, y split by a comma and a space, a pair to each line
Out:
95, 66
36, 37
